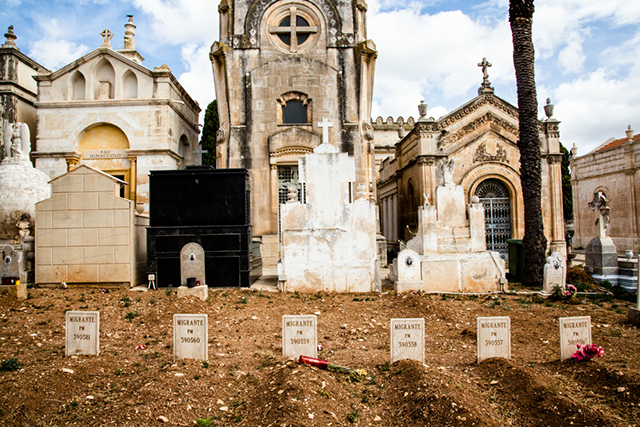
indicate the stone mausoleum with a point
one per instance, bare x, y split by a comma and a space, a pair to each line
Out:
280, 67
480, 137
108, 111
610, 169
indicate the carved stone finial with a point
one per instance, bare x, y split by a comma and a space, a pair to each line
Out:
629, 133
11, 38
422, 109
17, 141
106, 38
448, 166
548, 109
129, 33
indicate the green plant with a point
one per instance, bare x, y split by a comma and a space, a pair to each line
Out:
119, 371
243, 300
131, 315
351, 416
169, 290
10, 365
385, 367
205, 364
204, 422
324, 394
82, 298
152, 301
125, 299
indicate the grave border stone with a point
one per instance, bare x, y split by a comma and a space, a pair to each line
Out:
68, 332
481, 355
285, 335
392, 335
176, 355
565, 352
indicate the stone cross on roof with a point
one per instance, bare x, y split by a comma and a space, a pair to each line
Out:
485, 75
106, 38
200, 152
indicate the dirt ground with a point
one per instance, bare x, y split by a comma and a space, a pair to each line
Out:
246, 383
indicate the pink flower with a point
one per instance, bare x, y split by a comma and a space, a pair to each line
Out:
588, 351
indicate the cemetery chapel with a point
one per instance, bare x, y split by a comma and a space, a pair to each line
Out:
288, 72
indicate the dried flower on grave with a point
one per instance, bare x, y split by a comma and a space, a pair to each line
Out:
588, 352
323, 364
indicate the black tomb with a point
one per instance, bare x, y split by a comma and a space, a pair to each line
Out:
207, 206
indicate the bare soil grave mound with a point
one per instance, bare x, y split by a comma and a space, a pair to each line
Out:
246, 383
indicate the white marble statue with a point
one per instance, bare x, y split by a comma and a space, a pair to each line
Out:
17, 141
601, 207
448, 166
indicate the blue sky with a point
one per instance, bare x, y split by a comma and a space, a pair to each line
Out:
587, 52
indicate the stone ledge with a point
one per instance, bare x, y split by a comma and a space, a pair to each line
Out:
201, 292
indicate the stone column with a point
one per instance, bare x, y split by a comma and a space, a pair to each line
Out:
133, 177
557, 243
71, 163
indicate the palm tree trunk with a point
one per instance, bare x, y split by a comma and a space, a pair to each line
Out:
534, 242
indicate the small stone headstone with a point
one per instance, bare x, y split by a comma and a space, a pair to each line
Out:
573, 331
494, 337
190, 336
407, 339
82, 333
192, 264
555, 274
299, 336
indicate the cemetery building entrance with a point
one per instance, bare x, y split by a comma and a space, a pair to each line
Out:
287, 175
494, 195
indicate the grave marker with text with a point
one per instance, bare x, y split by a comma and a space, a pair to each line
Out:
494, 337
573, 331
190, 336
299, 336
407, 339
82, 330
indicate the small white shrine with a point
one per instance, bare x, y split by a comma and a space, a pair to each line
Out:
448, 253
329, 242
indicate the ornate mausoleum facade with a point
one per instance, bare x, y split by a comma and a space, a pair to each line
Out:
285, 72
480, 138
108, 111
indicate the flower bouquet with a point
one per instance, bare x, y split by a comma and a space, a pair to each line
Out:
588, 352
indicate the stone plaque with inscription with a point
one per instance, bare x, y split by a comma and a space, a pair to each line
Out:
190, 336
494, 337
82, 333
573, 331
192, 263
555, 274
407, 339
299, 336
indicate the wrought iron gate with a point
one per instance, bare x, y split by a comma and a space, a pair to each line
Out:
497, 214
288, 175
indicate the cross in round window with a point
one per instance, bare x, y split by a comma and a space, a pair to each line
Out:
293, 30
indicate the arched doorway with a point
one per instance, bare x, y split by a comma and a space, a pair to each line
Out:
494, 195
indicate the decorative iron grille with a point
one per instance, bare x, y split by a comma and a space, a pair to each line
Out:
288, 175
494, 195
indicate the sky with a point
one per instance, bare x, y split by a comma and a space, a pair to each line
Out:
587, 52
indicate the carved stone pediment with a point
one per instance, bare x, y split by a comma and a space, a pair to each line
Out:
293, 140
447, 138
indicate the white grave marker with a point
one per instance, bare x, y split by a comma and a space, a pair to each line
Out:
494, 337
407, 339
190, 336
82, 330
573, 331
299, 336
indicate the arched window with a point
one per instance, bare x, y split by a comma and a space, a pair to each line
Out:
294, 109
130, 85
78, 87
495, 197
105, 79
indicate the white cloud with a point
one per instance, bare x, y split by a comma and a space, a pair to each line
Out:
182, 21
198, 77
423, 56
54, 54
